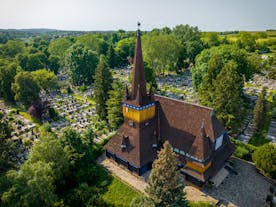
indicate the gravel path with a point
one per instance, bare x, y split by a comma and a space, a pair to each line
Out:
246, 189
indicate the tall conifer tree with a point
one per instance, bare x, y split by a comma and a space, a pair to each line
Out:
166, 188
114, 105
259, 111
103, 80
111, 56
227, 100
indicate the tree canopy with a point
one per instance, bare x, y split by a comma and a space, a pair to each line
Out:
161, 52
218, 76
25, 88
7, 75
45, 79
81, 64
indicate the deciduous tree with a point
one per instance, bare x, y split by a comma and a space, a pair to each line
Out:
25, 88
7, 75
81, 64
161, 52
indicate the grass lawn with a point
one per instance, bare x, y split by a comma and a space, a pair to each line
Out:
81, 98
27, 116
119, 193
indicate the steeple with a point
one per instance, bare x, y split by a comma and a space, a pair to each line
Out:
138, 71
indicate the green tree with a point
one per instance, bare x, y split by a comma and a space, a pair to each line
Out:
94, 43
142, 201
8, 150
45, 79
111, 57
49, 150
259, 111
103, 80
211, 39
124, 50
161, 52
265, 159
166, 187
85, 196
81, 64
11, 49
35, 61
58, 48
25, 88
114, 105
246, 41
31, 186
150, 75
225, 53
7, 75
190, 38
226, 99
53, 63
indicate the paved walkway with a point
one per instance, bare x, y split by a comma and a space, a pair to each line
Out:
133, 180
139, 183
248, 188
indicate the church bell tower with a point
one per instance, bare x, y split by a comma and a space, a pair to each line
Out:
138, 106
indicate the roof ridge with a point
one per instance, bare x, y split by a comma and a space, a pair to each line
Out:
193, 104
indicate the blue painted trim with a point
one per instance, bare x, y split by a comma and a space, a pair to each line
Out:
139, 108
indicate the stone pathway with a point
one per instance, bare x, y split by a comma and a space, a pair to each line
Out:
248, 188
124, 175
139, 183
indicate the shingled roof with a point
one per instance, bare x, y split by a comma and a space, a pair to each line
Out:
181, 124
201, 147
138, 150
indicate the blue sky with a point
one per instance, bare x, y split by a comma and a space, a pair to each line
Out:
208, 15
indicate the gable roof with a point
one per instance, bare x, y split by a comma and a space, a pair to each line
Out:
180, 123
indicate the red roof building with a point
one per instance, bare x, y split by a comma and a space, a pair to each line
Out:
197, 137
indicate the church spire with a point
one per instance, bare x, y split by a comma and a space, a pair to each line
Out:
138, 71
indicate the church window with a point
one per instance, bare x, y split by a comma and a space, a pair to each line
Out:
181, 152
176, 150
218, 142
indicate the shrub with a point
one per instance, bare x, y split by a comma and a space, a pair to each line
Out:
265, 159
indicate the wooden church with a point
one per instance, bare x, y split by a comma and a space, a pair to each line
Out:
197, 137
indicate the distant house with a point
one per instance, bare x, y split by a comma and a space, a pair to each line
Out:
197, 137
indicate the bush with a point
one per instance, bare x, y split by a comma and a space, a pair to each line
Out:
83, 88
142, 201
243, 150
53, 113
265, 159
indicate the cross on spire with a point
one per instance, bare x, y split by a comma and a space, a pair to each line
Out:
138, 30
